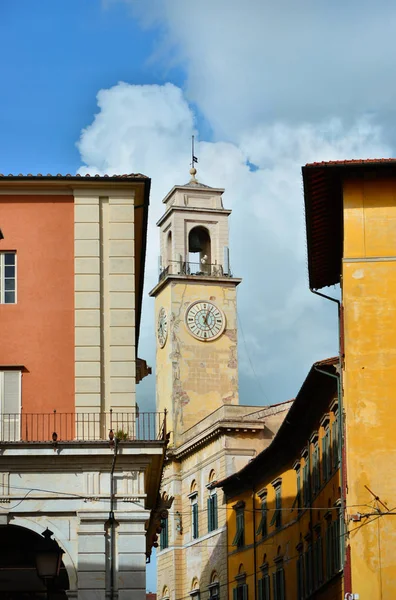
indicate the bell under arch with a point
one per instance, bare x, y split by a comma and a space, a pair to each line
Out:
19, 580
199, 250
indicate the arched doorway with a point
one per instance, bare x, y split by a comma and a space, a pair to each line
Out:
18, 576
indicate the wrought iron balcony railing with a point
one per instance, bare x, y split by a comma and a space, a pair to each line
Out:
176, 267
58, 427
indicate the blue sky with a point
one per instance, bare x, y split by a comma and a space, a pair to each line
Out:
263, 83
55, 58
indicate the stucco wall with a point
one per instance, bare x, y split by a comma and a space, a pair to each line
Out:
369, 297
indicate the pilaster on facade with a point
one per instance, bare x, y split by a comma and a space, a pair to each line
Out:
105, 350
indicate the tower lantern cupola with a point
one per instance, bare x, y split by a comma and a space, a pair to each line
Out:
194, 231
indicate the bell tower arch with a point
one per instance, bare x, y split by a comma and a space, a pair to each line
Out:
195, 307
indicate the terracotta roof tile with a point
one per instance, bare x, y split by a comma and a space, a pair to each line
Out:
360, 161
77, 175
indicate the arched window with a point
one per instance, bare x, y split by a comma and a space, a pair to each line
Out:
240, 592
194, 594
214, 587
165, 593
264, 585
212, 503
193, 495
199, 250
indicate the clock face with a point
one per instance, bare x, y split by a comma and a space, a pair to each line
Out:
162, 327
205, 321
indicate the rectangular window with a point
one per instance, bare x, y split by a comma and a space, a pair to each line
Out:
326, 455
278, 582
164, 534
264, 592
306, 483
318, 562
194, 518
335, 445
240, 592
329, 549
214, 591
308, 564
262, 528
7, 277
277, 516
239, 539
300, 577
297, 499
212, 512
336, 544
10, 405
316, 468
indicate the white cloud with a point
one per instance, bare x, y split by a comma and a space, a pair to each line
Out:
147, 129
265, 61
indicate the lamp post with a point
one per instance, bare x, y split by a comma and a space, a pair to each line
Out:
48, 559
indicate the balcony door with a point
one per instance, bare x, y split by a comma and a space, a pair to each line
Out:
10, 406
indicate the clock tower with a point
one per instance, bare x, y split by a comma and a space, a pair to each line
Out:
195, 308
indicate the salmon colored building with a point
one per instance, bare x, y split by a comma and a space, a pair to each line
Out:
76, 454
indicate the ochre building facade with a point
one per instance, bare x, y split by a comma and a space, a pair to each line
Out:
351, 233
284, 527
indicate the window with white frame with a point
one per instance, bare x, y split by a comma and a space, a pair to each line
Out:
7, 277
10, 405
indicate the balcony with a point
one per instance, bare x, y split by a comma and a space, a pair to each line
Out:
176, 267
131, 426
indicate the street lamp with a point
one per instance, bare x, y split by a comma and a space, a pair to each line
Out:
48, 559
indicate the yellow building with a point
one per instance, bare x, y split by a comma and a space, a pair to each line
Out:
285, 532
211, 435
351, 233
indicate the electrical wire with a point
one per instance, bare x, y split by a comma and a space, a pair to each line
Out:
187, 512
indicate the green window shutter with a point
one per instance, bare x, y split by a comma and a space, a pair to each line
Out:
274, 516
262, 528
210, 513
235, 594
267, 591
275, 587
195, 520
324, 457
282, 584
260, 589
244, 592
214, 512
239, 535
164, 534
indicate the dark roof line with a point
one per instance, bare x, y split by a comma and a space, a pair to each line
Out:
353, 162
30, 176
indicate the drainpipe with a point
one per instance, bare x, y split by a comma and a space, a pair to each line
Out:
112, 521
341, 435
